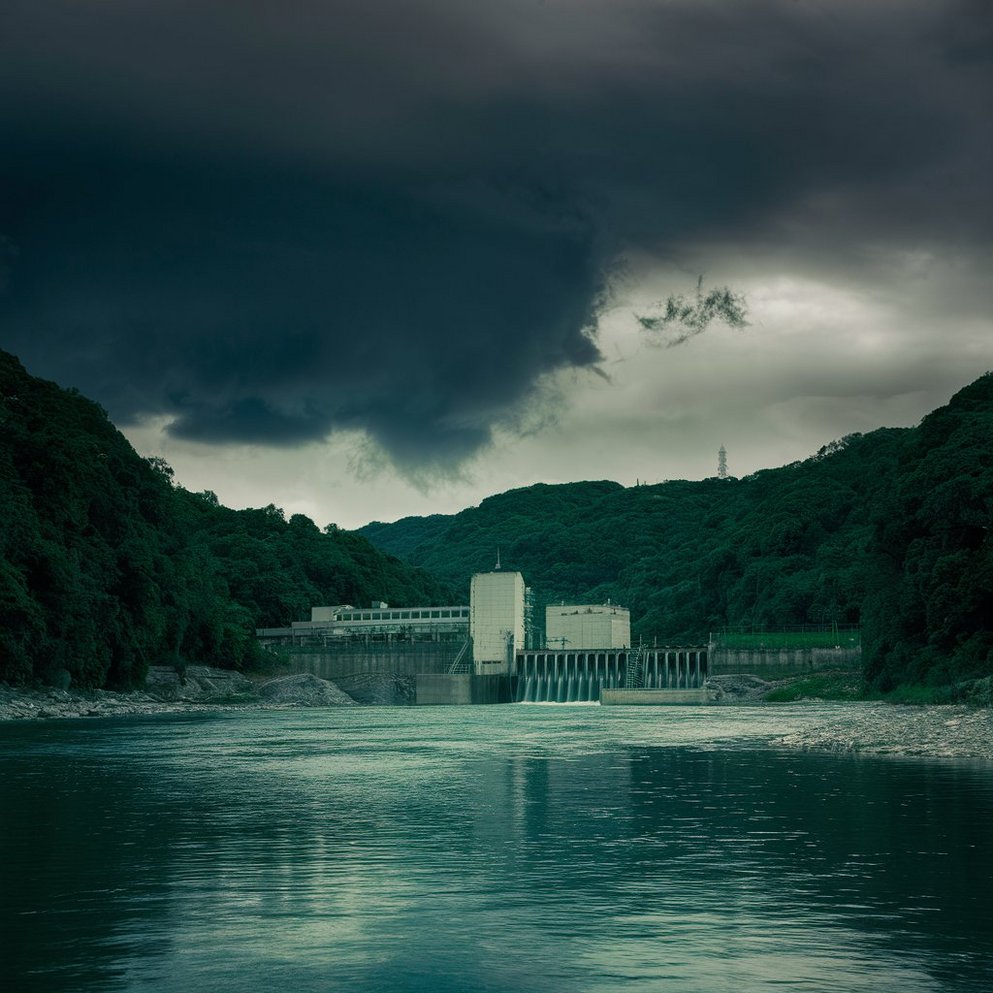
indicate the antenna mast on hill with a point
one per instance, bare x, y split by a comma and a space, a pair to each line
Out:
497, 569
722, 463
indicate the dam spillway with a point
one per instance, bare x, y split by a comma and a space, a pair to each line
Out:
578, 676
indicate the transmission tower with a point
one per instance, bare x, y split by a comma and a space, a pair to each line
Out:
722, 463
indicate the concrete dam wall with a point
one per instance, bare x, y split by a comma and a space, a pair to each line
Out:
774, 662
380, 673
407, 673
461, 689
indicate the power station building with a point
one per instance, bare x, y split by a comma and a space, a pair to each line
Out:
587, 626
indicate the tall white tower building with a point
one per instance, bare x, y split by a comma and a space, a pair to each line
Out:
496, 621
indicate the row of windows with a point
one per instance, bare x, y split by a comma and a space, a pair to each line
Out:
403, 615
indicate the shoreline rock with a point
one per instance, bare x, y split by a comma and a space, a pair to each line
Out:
304, 689
200, 690
735, 689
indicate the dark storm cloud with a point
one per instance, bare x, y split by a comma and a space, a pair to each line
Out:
272, 221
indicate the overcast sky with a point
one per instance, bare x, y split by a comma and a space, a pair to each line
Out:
370, 259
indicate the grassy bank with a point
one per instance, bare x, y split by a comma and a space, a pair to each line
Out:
839, 684
848, 684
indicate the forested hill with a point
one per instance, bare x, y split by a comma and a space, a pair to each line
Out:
107, 567
888, 529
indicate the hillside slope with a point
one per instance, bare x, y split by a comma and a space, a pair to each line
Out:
107, 567
889, 530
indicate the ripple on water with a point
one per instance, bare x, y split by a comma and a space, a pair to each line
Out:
523, 848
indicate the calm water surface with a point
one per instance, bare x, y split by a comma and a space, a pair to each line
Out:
521, 848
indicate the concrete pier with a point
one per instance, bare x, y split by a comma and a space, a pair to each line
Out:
653, 698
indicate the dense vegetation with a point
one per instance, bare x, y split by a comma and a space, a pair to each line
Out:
889, 530
107, 567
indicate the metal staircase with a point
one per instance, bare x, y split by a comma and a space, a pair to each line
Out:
463, 661
634, 675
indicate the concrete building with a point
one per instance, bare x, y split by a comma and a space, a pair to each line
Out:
381, 618
496, 621
587, 626
379, 622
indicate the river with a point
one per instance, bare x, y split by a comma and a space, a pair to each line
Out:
516, 848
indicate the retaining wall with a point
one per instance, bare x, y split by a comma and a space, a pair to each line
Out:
781, 661
652, 698
403, 659
460, 689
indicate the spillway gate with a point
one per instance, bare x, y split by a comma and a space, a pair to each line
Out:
578, 676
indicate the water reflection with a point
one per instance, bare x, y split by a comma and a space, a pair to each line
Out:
485, 849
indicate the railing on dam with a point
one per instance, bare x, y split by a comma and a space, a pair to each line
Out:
577, 676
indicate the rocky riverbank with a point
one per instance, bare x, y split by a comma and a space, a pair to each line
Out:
872, 727
201, 688
889, 729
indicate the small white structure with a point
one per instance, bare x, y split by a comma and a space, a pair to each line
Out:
326, 615
573, 627
496, 621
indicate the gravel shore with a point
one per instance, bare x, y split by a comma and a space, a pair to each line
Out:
873, 728
887, 729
